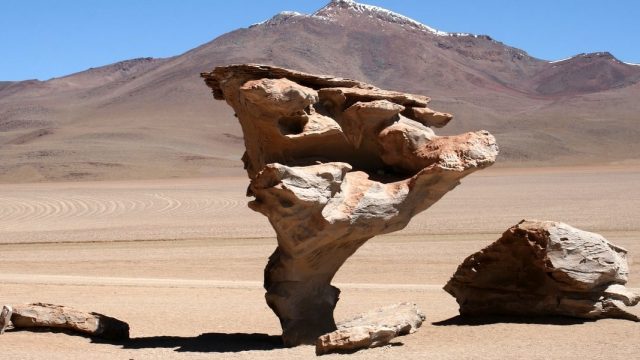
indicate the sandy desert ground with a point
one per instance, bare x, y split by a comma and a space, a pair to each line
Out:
181, 261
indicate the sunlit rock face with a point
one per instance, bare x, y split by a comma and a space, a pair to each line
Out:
334, 162
542, 268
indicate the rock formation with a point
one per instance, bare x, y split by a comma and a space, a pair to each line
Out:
354, 339
372, 329
5, 318
334, 162
403, 318
41, 315
545, 268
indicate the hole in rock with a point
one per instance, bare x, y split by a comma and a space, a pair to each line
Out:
285, 203
319, 108
292, 125
387, 174
373, 166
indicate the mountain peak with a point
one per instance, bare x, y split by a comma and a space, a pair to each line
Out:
336, 7
598, 55
601, 55
339, 8
279, 18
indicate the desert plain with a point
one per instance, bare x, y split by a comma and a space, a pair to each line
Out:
181, 260
122, 192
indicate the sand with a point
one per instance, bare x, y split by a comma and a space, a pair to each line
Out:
181, 261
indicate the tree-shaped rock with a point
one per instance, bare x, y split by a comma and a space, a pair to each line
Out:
334, 162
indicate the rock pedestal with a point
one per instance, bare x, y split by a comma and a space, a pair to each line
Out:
540, 268
334, 162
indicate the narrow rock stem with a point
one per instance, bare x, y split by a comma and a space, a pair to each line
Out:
305, 309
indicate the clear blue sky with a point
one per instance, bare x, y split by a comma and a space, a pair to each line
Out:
48, 38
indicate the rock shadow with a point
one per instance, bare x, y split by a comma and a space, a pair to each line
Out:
460, 320
353, 351
208, 342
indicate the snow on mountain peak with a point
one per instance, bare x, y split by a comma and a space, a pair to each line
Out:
335, 7
279, 18
380, 13
594, 55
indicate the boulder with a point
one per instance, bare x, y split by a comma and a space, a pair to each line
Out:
403, 318
353, 339
40, 315
371, 329
541, 268
332, 163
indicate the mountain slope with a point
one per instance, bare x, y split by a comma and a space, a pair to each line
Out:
155, 118
585, 73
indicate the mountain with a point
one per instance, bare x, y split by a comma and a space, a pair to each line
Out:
149, 117
585, 73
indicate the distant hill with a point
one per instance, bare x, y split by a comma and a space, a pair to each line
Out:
4, 84
147, 117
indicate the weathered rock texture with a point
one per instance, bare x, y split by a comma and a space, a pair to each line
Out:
403, 318
5, 318
354, 339
334, 162
62, 317
372, 329
545, 268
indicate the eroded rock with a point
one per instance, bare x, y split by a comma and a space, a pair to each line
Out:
40, 315
403, 318
372, 329
5, 318
334, 162
428, 117
353, 339
542, 268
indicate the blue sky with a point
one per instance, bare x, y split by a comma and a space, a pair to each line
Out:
48, 38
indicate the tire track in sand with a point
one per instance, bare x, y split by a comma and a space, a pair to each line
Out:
23, 209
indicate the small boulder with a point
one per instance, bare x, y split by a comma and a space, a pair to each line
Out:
353, 339
404, 318
372, 329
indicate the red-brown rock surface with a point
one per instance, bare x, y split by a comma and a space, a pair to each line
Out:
545, 268
334, 162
